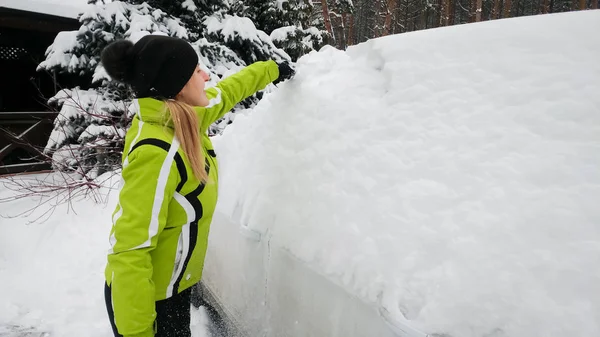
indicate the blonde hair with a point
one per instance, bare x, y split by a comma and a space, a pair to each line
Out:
187, 130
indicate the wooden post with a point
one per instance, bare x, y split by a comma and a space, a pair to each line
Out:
28, 132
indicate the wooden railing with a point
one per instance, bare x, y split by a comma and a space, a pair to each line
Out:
22, 136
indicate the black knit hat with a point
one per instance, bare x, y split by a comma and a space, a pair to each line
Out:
156, 66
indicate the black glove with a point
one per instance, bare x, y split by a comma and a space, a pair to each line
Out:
286, 72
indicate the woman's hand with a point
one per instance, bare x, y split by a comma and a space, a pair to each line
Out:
286, 72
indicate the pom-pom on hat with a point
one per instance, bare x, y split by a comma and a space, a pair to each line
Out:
155, 66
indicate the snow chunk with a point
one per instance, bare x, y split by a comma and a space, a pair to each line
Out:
448, 176
105, 132
233, 26
59, 53
100, 74
176, 28
189, 5
282, 33
111, 13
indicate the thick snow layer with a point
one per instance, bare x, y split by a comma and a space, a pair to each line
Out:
282, 33
450, 176
52, 260
59, 53
232, 26
69, 9
189, 5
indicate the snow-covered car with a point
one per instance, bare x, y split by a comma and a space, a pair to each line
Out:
440, 182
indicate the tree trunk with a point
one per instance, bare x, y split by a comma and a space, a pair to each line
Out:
594, 4
391, 7
472, 10
451, 12
545, 5
443, 11
351, 30
376, 20
326, 17
437, 19
479, 10
582, 4
382, 17
367, 22
425, 18
507, 9
496, 10
340, 28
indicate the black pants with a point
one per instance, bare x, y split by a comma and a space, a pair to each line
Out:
172, 314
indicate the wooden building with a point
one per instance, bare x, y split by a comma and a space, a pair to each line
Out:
25, 34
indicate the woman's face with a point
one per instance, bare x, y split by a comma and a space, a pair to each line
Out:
193, 92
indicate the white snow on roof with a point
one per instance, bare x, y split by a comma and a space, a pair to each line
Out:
64, 8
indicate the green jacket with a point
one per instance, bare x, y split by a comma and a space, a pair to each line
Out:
161, 222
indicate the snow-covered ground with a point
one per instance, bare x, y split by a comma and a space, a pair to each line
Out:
52, 261
449, 177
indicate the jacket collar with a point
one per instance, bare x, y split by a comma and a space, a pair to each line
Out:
153, 111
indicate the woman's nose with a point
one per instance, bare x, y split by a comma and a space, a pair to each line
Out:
205, 75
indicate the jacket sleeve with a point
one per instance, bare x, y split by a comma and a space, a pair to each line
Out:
237, 87
149, 182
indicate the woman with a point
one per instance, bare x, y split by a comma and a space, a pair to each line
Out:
169, 180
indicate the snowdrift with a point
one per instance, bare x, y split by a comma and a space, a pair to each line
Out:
53, 248
448, 179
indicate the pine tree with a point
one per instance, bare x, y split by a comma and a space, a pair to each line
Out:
88, 133
189, 12
272, 14
240, 34
291, 24
297, 41
339, 11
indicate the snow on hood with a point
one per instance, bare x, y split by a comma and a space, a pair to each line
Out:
449, 176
